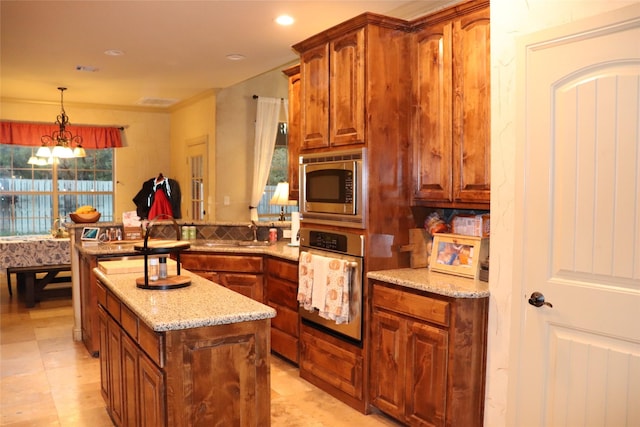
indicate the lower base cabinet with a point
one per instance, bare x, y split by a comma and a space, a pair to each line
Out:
281, 295
202, 376
240, 273
428, 356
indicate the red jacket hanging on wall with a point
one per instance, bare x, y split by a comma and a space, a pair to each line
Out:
168, 203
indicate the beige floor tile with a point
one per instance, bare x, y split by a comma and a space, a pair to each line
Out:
93, 417
73, 377
40, 406
20, 389
19, 350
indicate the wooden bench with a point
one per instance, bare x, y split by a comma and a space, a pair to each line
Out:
34, 286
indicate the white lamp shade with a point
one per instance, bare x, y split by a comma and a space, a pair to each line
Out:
281, 195
62, 152
43, 151
79, 152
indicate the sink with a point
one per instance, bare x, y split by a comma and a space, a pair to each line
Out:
253, 243
236, 243
221, 243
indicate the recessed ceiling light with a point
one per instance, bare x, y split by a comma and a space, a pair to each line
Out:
235, 57
284, 20
113, 52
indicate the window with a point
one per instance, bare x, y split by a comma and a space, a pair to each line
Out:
31, 196
278, 173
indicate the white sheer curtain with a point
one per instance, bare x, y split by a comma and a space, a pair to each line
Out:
267, 117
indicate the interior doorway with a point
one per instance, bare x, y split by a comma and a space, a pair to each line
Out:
197, 159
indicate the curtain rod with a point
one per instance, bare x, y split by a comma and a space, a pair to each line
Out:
119, 127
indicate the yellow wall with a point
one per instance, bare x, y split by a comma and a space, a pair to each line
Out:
235, 118
194, 122
146, 140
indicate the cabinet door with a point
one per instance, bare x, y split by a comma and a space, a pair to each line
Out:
471, 108
388, 356
293, 135
89, 305
114, 348
314, 98
129, 381
426, 374
433, 124
249, 285
104, 361
152, 407
347, 89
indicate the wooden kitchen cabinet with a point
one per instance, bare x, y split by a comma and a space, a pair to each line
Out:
427, 356
343, 71
451, 64
293, 135
240, 273
281, 294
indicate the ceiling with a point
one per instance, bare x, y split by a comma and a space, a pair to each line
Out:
173, 50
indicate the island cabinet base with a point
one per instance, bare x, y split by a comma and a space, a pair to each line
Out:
202, 376
219, 375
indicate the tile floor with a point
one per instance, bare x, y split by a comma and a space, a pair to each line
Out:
47, 379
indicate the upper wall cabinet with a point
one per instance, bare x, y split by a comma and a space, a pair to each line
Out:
293, 135
452, 155
340, 70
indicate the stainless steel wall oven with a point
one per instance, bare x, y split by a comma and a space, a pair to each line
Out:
344, 246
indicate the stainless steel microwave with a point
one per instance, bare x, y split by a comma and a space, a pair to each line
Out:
332, 188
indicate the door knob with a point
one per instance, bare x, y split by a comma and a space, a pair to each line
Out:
537, 299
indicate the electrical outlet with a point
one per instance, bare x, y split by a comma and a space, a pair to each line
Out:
227, 200
286, 234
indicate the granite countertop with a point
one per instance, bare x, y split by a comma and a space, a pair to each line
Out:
280, 249
203, 303
438, 283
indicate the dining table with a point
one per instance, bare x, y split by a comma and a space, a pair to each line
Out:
28, 255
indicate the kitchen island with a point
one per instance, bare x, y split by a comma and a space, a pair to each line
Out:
192, 356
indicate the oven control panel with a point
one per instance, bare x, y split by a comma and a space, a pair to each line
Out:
330, 241
345, 243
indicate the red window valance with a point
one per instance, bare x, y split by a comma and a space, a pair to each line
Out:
17, 133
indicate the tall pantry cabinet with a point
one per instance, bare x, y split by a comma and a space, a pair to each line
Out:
451, 92
353, 94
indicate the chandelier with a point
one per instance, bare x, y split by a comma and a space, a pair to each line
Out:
61, 144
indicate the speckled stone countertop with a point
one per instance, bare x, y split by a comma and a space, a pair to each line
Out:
280, 249
438, 283
203, 303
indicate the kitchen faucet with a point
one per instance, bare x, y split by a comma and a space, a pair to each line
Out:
254, 229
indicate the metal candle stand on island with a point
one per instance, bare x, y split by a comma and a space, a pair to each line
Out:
160, 247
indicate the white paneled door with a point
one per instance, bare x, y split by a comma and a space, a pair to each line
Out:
579, 341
